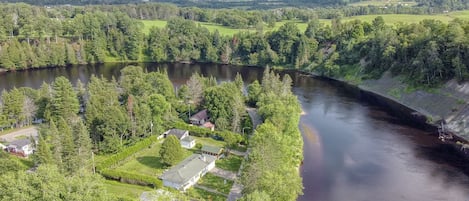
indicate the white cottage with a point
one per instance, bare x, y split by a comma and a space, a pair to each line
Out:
24, 147
188, 142
188, 172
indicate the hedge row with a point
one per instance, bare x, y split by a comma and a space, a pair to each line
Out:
204, 132
132, 178
125, 153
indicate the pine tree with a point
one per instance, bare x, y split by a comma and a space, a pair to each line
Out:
69, 154
43, 153
83, 144
55, 140
64, 102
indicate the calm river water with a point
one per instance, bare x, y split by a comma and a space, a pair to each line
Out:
353, 150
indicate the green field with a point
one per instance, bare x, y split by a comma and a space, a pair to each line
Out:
384, 3
389, 19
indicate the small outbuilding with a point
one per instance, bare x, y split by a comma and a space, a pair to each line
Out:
216, 152
188, 142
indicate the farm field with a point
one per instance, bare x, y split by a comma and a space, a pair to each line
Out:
389, 19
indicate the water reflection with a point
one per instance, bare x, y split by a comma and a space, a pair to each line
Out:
353, 150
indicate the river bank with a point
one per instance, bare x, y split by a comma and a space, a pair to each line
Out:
427, 109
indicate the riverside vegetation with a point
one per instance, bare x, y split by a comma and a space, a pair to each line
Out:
118, 121
424, 54
117, 114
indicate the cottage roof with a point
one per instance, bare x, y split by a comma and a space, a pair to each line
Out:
21, 143
199, 115
176, 132
187, 139
188, 168
211, 149
208, 124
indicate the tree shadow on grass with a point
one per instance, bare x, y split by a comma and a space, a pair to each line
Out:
151, 161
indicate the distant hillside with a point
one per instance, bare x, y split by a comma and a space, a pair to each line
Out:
251, 4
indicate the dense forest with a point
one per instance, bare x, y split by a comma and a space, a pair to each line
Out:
254, 4
427, 53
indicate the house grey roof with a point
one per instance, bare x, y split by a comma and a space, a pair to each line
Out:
188, 168
188, 139
176, 132
211, 149
199, 115
21, 143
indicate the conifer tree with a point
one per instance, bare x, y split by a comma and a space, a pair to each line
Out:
171, 151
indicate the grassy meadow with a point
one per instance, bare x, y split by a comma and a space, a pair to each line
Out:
389, 19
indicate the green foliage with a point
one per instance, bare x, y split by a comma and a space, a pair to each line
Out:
115, 159
254, 90
47, 183
276, 146
232, 137
214, 182
256, 196
171, 151
64, 101
132, 178
230, 163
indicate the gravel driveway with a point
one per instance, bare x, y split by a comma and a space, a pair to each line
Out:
32, 131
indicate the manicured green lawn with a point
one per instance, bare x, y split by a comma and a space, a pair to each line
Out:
209, 141
216, 183
231, 163
125, 190
200, 194
147, 161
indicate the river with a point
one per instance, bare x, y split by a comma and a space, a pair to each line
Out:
354, 150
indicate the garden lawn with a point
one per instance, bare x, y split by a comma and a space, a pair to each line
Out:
230, 163
147, 161
125, 190
209, 141
216, 183
200, 194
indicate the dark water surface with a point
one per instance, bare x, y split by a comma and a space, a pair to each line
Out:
353, 150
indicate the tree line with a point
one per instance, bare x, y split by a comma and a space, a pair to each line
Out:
272, 169
426, 53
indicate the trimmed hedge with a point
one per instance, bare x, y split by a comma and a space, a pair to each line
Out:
205, 132
132, 178
129, 151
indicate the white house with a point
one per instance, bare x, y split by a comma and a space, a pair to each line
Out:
24, 147
188, 172
187, 142
183, 135
176, 132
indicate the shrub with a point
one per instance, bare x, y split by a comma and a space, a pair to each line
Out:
132, 178
125, 153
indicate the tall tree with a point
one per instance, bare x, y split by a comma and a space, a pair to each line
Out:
171, 151
64, 101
